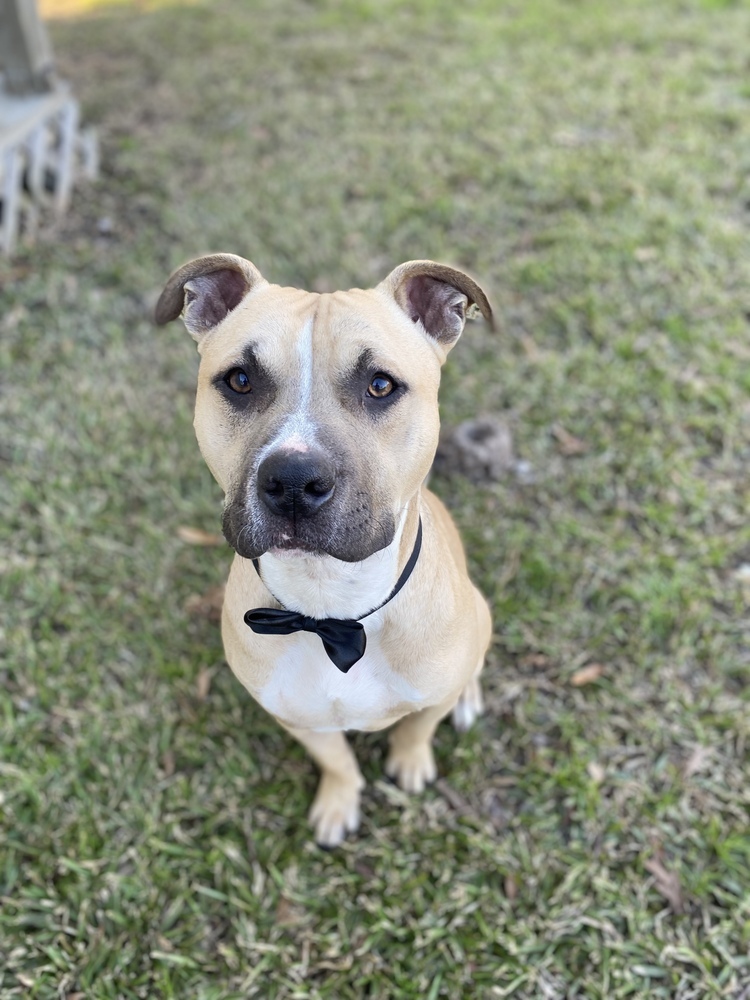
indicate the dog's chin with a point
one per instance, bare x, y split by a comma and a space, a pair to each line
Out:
295, 548
347, 547
291, 547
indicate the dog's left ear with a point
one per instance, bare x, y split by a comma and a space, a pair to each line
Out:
437, 297
205, 290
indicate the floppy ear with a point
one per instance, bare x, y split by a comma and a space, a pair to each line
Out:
438, 297
205, 290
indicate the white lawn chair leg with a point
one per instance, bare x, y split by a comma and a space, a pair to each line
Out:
12, 178
65, 156
36, 149
88, 147
37, 146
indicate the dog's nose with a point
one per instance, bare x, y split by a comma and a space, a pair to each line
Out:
295, 485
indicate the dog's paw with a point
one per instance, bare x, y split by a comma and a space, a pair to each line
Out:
469, 706
335, 811
412, 767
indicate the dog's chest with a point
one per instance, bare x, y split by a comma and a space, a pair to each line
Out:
307, 691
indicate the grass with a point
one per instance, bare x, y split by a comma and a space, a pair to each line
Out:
589, 163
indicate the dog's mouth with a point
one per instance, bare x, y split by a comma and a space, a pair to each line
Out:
291, 544
348, 546
287, 543
349, 534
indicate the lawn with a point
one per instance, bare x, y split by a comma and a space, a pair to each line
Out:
589, 163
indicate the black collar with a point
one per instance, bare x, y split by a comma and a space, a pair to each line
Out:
344, 639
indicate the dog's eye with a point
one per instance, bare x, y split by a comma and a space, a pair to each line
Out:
238, 381
380, 386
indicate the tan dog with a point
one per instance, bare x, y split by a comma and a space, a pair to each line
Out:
318, 416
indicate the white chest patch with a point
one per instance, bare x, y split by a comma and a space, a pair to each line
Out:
324, 587
307, 691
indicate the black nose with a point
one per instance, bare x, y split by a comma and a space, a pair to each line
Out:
295, 484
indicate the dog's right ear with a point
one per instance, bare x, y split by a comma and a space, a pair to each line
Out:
205, 290
437, 298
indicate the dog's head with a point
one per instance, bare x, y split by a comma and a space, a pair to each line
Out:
317, 413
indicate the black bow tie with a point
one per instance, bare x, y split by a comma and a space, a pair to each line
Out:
343, 639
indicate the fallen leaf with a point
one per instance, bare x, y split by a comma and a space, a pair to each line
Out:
196, 536
566, 137
206, 605
14, 316
495, 808
168, 762
287, 913
596, 772
534, 660
696, 761
454, 799
666, 883
203, 683
530, 348
568, 444
340, 965
363, 869
511, 886
587, 675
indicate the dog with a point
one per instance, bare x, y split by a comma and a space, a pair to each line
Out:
348, 604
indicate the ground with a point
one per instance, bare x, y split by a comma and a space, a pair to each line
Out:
589, 163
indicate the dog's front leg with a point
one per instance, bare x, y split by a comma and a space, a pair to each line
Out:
410, 761
335, 810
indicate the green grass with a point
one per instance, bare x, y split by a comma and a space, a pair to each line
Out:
590, 163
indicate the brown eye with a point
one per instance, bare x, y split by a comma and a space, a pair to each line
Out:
380, 386
238, 381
